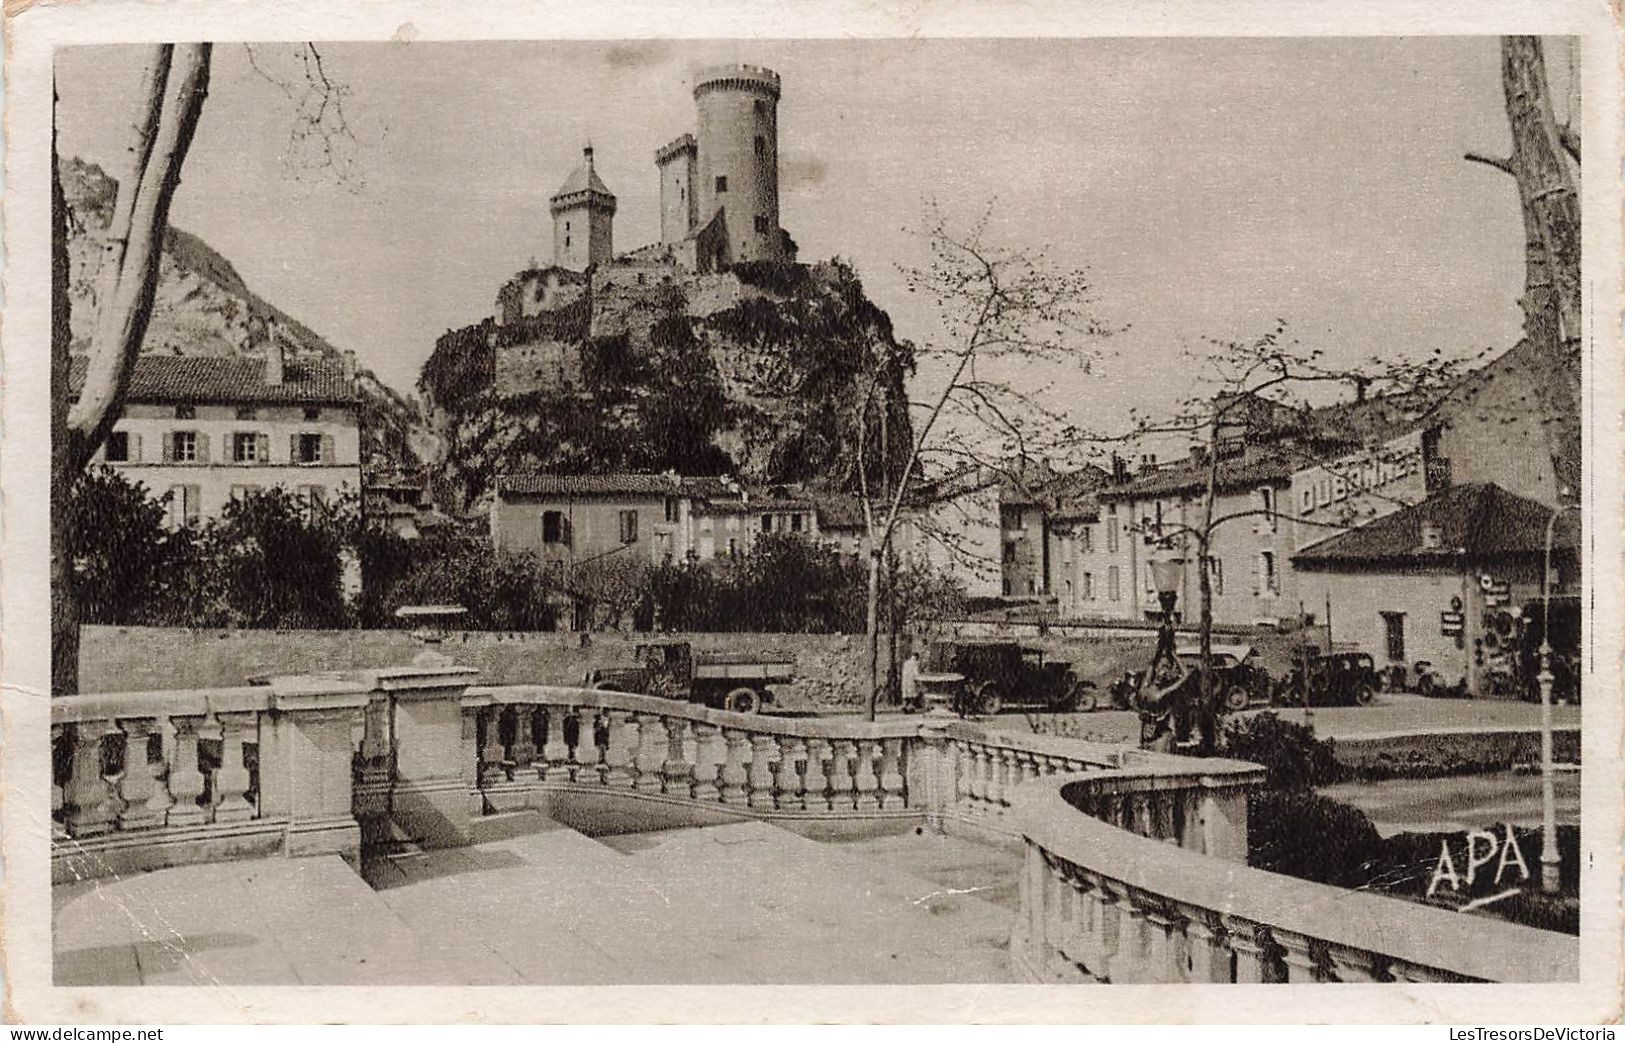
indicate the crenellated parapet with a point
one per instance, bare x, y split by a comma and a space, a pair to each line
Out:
739, 76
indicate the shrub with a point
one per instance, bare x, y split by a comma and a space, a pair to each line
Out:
128, 566
1311, 837
1295, 759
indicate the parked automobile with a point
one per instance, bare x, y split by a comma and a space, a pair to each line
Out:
1006, 673
1333, 678
1240, 681
722, 680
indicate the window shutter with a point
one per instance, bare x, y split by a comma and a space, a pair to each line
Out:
262, 447
202, 442
1256, 570
565, 531
328, 455
193, 498
293, 449
167, 448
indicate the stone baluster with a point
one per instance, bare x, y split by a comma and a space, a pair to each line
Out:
1106, 934
1206, 957
523, 752
375, 745
1021, 768
710, 751
864, 780
490, 745
1301, 955
1057, 919
140, 783
1162, 953
734, 775
815, 784
1129, 965
623, 739
764, 752
89, 800
586, 755
231, 781
1356, 965
994, 760
892, 775
1249, 941
841, 797
59, 810
185, 775
555, 765
651, 753
973, 757
787, 784
676, 772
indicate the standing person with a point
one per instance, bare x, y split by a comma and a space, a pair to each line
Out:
911, 679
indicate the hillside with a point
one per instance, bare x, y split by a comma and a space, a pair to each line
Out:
203, 307
759, 371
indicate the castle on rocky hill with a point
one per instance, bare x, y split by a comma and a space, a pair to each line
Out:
719, 188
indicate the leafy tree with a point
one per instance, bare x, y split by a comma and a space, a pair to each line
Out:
128, 566
500, 590
279, 561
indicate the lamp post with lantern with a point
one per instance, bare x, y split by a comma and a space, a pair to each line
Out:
1161, 696
1549, 856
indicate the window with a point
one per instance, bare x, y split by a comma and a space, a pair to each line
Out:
733, 547
1215, 568
566, 238
313, 495
795, 522
246, 447
185, 413
308, 449
761, 224
1088, 586
1266, 503
243, 492
554, 530
1066, 585
629, 526
312, 413
247, 413
1009, 551
1114, 584
1269, 579
761, 145
1086, 539
1307, 503
185, 447
118, 447
767, 523
722, 183
1111, 538
184, 504
1393, 629
671, 509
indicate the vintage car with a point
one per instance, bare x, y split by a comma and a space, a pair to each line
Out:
722, 680
1333, 678
1240, 680
1006, 673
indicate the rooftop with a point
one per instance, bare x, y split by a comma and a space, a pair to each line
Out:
1474, 521
588, 484
584, 179
191, 379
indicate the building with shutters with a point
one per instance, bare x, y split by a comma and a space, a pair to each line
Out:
206, 430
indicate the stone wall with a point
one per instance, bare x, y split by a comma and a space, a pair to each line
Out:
829, 667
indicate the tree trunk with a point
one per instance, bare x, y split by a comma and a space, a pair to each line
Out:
872, 631
1545, 183
174, 85
1207, 712
64, 601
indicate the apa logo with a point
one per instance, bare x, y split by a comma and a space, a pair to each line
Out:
1483, 847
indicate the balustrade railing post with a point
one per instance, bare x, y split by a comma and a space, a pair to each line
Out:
892, 794
815, 784
306, 772
710, 753
1223, 817
996, 761
140, 785
60, 733
232, 780
841, 796
976, 759
1299, 954
1207, 959
932, 771
864, 781
1356, 965
586, 757
523, 752
764, 751
1160, 948
677, 774
88, 797
1253, 957
185, 775
623, 740
651, 752
787, 781
1128, 965
428, 795
734, 775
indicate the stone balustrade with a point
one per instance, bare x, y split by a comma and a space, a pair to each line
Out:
148, 779
1112, 892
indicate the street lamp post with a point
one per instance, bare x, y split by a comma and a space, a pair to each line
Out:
1549, 857
1160, 692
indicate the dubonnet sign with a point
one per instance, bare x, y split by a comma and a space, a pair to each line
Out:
1469, 880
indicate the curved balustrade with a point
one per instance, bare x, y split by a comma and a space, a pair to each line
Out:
1106, 898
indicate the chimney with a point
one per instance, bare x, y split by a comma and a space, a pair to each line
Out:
273, 362
349, 367
1431, 538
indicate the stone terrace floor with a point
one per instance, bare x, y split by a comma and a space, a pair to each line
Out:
748, 903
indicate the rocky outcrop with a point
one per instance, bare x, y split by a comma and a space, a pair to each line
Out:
203, 307
760, 372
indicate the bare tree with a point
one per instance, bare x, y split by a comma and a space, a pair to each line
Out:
998, 309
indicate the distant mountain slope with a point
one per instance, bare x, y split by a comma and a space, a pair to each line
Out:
203, 307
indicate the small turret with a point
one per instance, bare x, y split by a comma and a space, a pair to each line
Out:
583, 212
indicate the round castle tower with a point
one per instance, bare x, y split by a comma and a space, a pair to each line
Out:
739, 157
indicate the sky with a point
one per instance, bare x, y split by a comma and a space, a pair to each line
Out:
1210, 186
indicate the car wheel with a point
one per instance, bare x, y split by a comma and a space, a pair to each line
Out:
743, 700
1364, 694
1234, 697
989, 700
1084, 699
1425, 685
